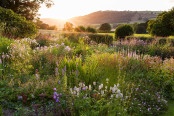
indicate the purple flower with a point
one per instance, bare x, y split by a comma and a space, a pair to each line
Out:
57, 100
65, 68
54, 96
54, 89
55, 93
83, 97
59, 82
84, 88
72, 104
20, 97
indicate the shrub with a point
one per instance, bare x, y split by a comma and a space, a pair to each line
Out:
105, 27
80, 29
4, 45
15, 24
91, 30
106, 39
163, 25
123, 31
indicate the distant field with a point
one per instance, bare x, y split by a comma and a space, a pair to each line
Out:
135, 35
112, 34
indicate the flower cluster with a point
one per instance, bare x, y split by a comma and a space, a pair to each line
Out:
56, 96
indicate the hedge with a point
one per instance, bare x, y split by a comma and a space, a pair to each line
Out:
98, 38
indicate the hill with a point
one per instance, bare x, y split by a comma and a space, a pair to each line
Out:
111, 17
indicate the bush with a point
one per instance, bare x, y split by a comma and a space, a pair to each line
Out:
105, 28
80, 29
163, 25
123, 31
15, 24
74, 37
91, 30
4, 44
106, 39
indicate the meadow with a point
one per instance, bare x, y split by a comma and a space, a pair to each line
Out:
54, 75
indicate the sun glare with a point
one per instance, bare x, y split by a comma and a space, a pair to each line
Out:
67, 8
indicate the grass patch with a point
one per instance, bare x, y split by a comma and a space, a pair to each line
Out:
170, 111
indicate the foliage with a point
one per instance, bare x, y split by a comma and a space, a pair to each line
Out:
4, 45
123, 30
15, 24
105, 27
27, 8
162, 25
91, 29
79, 29
106, 39
68, 26
71, 77
42, 25
140, 28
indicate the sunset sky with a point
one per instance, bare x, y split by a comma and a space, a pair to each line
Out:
64, 9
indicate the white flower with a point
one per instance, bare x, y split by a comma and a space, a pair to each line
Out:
107, 80
112, 96
86, 87
102, 92
118, 85
118, 91
106, 87
113, 90
67, 48
89, 87
94, 83
101, 86
77, 89
32, 96
116, 95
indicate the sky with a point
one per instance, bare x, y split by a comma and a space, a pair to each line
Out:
65, 9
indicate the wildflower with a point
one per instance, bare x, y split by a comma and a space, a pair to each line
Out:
72, 104
83, 97
106, 87
0, 61
54, 89
94, 83
57, 100
37, 76
62, 44
89, 87
20, 97
102, 92
107, 80
84, 88
32, 96
67, 48
59, 82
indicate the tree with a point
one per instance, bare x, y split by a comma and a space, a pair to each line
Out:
123, 30
140, 28
68, 26
27, 8
163, 25
16, 25
41, 25
80, 29
91, 29
105, 27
